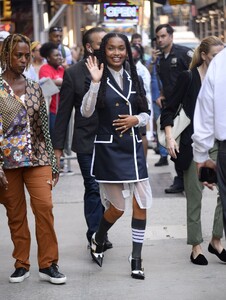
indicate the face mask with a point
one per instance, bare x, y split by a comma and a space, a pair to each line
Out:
96, 52
136, 56
135, 60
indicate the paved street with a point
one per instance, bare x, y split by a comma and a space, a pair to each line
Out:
169, 273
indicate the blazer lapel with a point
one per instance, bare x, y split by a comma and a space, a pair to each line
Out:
127, 85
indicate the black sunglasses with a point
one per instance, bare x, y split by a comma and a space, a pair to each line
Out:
52, 29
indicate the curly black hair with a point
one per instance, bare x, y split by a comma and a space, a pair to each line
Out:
47, 49
141, 98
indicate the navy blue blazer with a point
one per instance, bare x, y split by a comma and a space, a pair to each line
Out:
118, 157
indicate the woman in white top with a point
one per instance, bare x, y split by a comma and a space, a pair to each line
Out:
118, 160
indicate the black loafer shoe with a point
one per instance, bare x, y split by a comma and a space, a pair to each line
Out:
199, 260
163, 161
174, 189
221, 256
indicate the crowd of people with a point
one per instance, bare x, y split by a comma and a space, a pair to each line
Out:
117, 93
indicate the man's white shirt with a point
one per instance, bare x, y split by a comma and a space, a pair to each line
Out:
210, 111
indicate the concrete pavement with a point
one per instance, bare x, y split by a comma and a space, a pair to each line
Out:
169, 273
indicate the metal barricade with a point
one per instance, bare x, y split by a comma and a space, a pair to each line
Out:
68, 154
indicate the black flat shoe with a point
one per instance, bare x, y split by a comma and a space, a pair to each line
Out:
96, 251
137, 272
221, 256
174, 189
199, 260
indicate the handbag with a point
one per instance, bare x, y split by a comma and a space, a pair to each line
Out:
180, 121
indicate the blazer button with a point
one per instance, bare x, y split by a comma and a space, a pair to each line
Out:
116, 104
127, 103
121, 135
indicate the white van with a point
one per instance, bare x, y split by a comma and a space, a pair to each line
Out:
185, 38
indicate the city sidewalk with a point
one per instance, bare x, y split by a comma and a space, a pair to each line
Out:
169, 273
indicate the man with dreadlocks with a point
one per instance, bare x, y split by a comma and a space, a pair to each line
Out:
118, 161
26, 159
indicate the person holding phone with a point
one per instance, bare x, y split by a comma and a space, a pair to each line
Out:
156, 87
182, 154
173, 59
210, 124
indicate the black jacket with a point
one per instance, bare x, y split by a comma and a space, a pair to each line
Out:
189, 102
169, 68
76, 82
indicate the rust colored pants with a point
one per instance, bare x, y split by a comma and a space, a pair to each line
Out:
38, 183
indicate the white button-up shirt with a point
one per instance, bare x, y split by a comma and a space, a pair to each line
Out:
210, 111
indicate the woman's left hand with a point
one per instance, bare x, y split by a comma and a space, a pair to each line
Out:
172, 147
125, 122
55, 179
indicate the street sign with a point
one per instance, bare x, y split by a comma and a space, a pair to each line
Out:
120, 12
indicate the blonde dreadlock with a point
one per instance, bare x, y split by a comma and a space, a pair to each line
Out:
8, 46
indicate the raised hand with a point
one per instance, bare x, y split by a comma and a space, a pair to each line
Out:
96, 72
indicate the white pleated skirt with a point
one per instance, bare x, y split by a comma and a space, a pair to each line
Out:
118, 194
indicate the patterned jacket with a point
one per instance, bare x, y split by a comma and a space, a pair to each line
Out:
24, 134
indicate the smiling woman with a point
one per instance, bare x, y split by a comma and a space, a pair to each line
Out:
26, 159
122, 107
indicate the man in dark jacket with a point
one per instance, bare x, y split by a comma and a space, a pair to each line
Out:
173, 59
75, 85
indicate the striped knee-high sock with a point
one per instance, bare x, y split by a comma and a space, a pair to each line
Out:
138, 231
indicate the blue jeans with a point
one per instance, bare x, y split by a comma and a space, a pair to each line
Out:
157, 111
52, 119
93, 208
